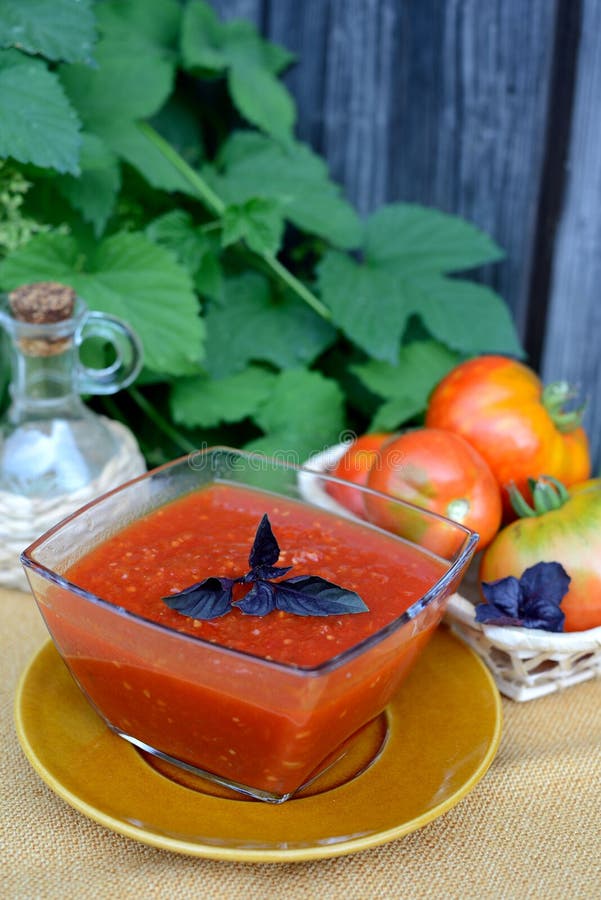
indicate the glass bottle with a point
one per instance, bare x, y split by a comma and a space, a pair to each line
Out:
51, 443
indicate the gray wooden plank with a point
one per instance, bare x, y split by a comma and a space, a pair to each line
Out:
360, 96
446, 105
497, 60
240, 9
438, 103
303, 29
572, 347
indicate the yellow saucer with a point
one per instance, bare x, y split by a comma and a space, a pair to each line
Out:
444, 728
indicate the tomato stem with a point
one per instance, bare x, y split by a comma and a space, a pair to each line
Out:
554, 398
560, 488
548, 495
520, 505
545, 498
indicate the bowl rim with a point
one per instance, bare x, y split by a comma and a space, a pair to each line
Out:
471, 538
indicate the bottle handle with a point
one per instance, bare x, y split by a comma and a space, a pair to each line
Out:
128, 355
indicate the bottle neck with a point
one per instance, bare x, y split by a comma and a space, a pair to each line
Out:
42, 386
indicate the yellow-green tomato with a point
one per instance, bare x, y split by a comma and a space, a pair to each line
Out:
591, 484
569, 534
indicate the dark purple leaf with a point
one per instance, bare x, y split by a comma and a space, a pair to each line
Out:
265, 550
488, 614
533, 601
504, 595
260, 600
309, 595
209, 599
304, 595
263, 573
552, 622
545, 585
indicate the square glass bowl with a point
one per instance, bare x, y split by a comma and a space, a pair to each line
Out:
256, 725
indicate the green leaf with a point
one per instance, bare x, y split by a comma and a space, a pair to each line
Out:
193, 248
61, 30
178, 122
420, 366
209, 45
395, 412
142, 283
250, 324
258, 222
135, 147
244, 45
408, 384
467, 316
126, 276
203, 38
176, 231
39, 125
413, 239
156, 20
276, 57
297, 179
132, 80
207, 402
95, 191
406, 249
367, 303
304, 413
47, 257
262, 99
208, 278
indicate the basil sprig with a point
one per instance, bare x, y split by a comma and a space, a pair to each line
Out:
532, 601
303, 595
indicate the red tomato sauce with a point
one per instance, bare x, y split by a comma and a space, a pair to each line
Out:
240, 718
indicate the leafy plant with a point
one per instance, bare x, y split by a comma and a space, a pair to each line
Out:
153, 166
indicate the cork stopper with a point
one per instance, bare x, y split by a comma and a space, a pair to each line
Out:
43, 303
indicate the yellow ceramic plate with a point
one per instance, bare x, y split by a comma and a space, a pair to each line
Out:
435, 742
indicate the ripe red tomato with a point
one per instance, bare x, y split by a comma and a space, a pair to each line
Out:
440, 471
519, 427
570, 535
354, 466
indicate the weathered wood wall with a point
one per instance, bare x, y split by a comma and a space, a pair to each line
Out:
490, 109
572, 344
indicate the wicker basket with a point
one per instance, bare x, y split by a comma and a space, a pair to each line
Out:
526, 663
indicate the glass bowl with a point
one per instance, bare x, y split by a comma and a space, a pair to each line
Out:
205, 695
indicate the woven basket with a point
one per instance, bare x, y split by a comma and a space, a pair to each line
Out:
526, 663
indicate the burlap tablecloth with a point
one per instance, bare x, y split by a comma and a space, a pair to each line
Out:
531, 828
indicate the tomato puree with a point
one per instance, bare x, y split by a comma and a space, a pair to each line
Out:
266, 718
210, 532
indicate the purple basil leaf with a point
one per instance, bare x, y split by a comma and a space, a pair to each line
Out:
503, 598
554, 623
487, 614
259, 601
544, 586
305, 595
263, 573
310, 595
265, 550
504, 595
531, 602
209, 599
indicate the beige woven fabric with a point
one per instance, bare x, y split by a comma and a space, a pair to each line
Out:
530, 829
